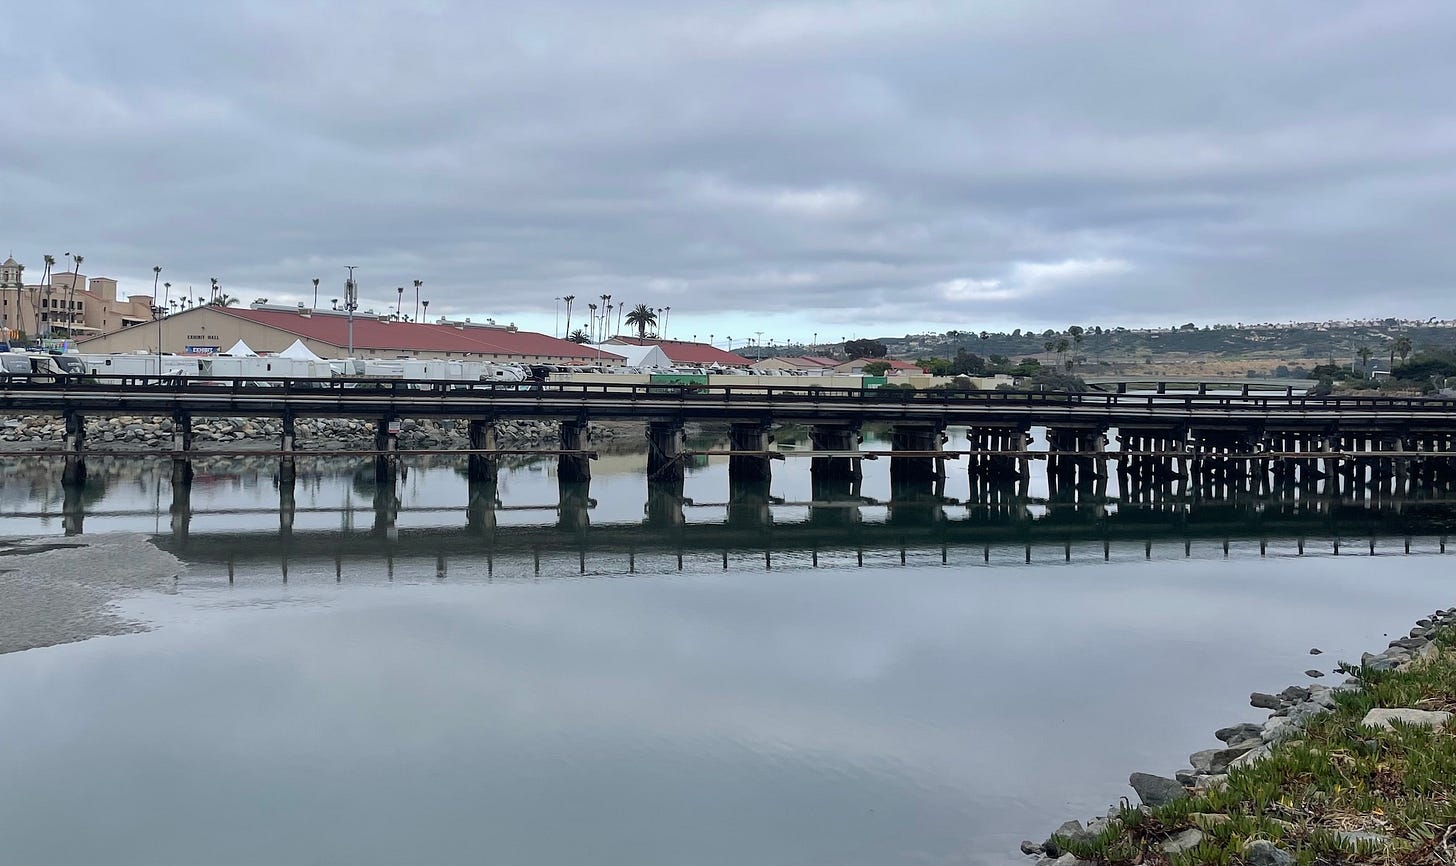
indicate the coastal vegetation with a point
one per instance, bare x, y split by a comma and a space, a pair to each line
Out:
1366, 778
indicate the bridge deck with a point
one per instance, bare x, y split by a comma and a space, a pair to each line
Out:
399, 398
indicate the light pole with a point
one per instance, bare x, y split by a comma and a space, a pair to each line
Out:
351, 303
157, 311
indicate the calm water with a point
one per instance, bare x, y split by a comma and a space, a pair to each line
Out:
619, 681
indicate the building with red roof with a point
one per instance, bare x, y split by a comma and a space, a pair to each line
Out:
897, 367
686, 352
267, 329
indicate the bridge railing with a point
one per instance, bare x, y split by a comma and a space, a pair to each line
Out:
701, 395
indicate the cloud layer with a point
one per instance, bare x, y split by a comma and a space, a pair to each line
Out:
847, 167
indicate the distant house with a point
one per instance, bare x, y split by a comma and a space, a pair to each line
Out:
685, 352
812, 365
856, 367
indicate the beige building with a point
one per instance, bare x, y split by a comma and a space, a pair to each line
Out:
52, 309
273, 328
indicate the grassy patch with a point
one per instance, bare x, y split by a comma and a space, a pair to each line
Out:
1320, 794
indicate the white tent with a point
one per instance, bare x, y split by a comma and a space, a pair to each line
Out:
241, 350
299, 352
640, 357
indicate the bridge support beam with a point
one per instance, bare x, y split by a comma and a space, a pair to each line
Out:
916, 470
574, 437
841, 438
482, 467
181, 449
386, 441
74, 473
755, 436
666, 442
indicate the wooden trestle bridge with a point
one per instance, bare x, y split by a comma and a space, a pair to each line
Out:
1254, 440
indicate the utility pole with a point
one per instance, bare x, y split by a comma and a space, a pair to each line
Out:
351, 303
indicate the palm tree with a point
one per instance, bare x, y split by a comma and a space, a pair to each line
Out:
1402, 348
602, 322
666, 314
45, 280
399, 302
212, 297
224, 300
1365, 354
579, 336
1063, 346
568, 299
315, 294
640, 317
71, 295
426, 305
607, 320
418, 283
592, 316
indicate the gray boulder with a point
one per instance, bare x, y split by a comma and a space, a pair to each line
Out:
1382, 718
1185, 841
1241, 731
1264, 701
1261, 852
1214, 761
1156, 790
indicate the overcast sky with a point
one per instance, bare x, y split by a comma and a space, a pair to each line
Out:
853, 168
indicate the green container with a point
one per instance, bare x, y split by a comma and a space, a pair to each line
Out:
678, 379
875, 381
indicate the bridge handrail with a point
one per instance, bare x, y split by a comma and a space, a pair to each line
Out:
658, 393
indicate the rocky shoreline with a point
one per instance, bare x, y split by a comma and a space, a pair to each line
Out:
128, 432
1249, 742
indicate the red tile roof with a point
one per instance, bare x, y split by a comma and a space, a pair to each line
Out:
895, 363
685, 352
405, 337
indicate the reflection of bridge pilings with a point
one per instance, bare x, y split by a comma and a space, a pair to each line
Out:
73, 509
665, 503
181, 510
574, 508
917, 501
482, 497
749, 502
835, 501
386, 507
287, 503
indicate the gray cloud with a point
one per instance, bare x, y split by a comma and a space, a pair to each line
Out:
862, 167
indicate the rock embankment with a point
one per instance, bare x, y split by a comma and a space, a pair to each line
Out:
124, 432
1247, 744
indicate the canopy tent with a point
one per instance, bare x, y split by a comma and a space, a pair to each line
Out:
241, 350
640, 357
299, 352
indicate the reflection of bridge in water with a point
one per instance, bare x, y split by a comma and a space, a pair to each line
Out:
916, 517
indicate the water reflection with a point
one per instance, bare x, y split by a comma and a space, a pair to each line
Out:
249, 508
